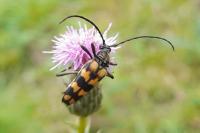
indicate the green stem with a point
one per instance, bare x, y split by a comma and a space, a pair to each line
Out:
83, 123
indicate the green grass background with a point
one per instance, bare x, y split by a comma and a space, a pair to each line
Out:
155, 90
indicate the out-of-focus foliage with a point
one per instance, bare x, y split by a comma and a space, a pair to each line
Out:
155, 90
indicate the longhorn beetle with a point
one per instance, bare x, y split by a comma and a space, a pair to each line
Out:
95, 69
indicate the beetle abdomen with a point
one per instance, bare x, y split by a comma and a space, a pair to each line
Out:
87, 78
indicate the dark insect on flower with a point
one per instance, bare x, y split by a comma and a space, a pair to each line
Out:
95, 68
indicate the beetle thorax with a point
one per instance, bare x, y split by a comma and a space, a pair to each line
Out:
103, 58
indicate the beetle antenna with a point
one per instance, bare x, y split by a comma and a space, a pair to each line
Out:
86, 19
138, 37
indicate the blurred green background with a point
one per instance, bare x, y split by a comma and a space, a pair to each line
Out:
155, 90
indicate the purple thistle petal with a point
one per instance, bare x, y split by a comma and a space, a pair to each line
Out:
66, 48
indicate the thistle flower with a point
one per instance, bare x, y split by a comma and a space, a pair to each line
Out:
67, 50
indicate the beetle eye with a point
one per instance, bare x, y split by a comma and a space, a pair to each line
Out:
104, 64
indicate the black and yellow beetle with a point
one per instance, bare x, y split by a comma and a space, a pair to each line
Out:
95, 69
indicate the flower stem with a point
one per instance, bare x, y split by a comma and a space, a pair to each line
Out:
83, 124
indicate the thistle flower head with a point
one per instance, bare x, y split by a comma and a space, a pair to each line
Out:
67, 50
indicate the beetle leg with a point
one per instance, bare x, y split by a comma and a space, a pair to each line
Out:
86, 50
113, 64
67, 73
109, 75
